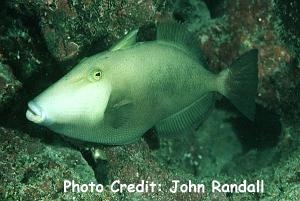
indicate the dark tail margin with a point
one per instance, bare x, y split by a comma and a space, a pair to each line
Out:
241, 83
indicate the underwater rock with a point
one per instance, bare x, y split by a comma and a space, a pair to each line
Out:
289, 32
246, 24
68, 27
288, 11
21, 45
134, 163
203, 152
31, 170
8, 84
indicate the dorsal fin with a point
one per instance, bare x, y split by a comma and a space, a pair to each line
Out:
127, 41
179, 34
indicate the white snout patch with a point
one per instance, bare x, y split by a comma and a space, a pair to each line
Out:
70, 107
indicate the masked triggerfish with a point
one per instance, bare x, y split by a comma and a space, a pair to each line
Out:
115, 96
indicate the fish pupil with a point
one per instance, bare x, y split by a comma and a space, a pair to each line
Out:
97, 75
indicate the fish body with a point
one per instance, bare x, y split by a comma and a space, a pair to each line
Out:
114, 97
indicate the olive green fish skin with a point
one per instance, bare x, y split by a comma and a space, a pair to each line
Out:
158, 78
157, 75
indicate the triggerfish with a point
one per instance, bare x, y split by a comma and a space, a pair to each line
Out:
115, 96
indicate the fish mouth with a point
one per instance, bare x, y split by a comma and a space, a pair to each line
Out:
35, 113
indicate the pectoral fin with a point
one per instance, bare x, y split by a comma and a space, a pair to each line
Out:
117, 115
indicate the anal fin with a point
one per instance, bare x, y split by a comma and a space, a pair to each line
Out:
189, 117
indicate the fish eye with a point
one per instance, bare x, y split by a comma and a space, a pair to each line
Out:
97, 74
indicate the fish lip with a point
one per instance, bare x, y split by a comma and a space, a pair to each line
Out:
35, 113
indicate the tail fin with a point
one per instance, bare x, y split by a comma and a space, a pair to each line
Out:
239, 83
